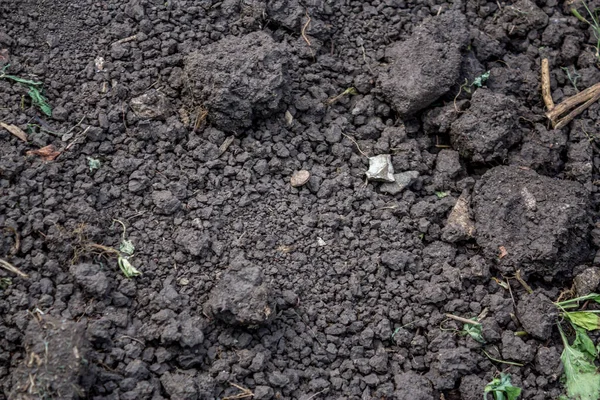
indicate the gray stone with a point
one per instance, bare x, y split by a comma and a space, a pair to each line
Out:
587, 281
402, 181
381, 168
179, 386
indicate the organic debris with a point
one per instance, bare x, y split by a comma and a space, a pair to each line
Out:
244, 393
381, 168
93, 163
578, 103
9, 267
37, 99
128, 270
481, 79
126, 249
350, 91
475, 331
48, 153
502, 389
5, 283
15, 130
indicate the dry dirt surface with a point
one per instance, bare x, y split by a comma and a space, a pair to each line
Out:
157, 247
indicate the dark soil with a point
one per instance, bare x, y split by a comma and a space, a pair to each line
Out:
179, 125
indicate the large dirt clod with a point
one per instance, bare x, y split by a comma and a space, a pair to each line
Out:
238, 79
56, 361
541, 223
426, 65
241, 297
488, 129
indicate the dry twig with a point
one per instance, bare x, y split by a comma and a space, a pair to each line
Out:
125, 40
578, 102
244, 394
546, 93
9, 267
303, 32
356, 144
463, 320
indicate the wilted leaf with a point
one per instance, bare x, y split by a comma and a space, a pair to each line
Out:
128, 270
474, 331
127, 247
15, 130
502, 389
480, 80
48, 153
587, 320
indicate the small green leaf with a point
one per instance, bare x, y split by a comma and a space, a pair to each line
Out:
587, 320
128, 270
584, 344
93, 163
474, 331
502, 389
441, 195
481, 79
127, 247
5, 283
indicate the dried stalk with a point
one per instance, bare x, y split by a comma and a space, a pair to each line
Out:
546, 93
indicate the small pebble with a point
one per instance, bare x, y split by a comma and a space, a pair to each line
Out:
299, 178
184, 281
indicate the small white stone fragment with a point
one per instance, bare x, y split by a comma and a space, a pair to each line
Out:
299, 178
381, 169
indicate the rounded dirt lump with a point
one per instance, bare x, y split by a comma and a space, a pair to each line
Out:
239, 79
542, 223
241, 298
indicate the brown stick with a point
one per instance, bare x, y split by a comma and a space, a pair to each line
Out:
546, 93
9, 267
564, 121
463, 320
573, 101
303, 31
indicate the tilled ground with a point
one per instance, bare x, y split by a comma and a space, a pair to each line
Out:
177, 127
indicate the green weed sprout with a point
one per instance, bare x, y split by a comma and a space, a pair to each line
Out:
37, 99
502, 389
594, 24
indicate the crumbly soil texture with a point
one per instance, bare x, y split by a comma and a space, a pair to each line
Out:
192, 219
